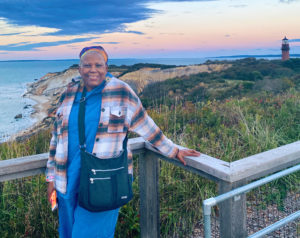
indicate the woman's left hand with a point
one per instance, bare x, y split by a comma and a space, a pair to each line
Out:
183, 153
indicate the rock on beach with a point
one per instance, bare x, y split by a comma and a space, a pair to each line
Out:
19, 116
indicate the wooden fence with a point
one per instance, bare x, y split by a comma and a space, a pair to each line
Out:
227, 175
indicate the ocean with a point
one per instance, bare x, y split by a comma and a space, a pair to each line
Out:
15, 75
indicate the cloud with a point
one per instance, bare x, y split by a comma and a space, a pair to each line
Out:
134, 32
239, 6
9, 29
172, 34
106, 43
12, 34
78, 20
73, 17
294, 40
287, 1
25, 46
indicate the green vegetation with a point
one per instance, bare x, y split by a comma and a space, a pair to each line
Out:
24, 210
245, 77
234, 128
228, 115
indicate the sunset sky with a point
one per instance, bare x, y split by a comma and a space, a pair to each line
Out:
59, 29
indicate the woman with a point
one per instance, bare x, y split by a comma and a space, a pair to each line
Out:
112, 109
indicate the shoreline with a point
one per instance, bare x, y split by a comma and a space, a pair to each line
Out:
17, 119
38, 115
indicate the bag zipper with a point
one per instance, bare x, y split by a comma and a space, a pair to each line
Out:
94, 171
92, 179
111, 157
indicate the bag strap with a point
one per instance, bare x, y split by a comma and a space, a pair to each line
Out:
81, 123
81, 120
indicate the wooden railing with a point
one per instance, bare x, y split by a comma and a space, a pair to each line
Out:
227, 175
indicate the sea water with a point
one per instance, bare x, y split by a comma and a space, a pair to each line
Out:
15, 75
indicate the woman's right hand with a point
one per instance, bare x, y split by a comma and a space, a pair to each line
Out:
50, 188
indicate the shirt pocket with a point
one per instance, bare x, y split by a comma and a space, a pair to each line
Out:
117, 118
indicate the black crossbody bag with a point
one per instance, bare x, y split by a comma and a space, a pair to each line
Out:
104, 183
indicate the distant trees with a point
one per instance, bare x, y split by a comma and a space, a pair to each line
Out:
293, 63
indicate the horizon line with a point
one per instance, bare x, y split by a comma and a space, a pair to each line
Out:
207, 57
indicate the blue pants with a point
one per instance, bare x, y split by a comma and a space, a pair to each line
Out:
77, 222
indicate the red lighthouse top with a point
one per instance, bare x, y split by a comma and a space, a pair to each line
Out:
285, 49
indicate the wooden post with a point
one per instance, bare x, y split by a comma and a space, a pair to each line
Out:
233, 212
149, 195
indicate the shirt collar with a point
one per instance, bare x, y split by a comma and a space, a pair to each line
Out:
96, 90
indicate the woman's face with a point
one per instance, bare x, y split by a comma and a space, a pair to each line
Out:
93, 70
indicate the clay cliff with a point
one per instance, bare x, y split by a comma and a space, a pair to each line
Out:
140, 78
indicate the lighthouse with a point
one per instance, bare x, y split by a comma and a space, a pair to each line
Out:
285, 49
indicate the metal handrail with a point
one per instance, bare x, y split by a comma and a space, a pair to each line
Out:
209, 203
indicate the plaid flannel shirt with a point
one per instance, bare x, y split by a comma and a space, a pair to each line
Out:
121, 111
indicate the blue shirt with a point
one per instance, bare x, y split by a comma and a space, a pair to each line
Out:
92, 116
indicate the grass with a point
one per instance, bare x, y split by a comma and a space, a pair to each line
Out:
230, 129
24, 210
